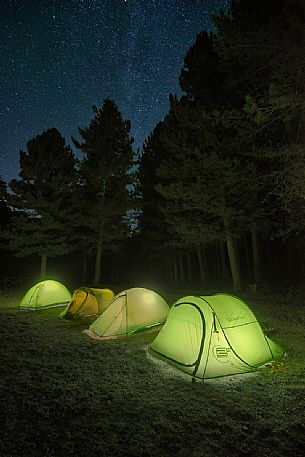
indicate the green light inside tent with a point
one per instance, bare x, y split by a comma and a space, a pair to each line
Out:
214, 336
46, 294
148, 298
50, 285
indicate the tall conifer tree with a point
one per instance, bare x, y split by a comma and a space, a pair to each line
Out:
4, 209
41, 198
105, 178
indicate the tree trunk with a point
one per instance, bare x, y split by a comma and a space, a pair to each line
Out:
97, 269
236, 277
216, 259
189, 266
205, 261
301, 265
223, 259
85, 264
290, 258
201, 264
248, 264
112, 269
175, 267
181, 266
255, 254
170, 266
43, 266
166, 265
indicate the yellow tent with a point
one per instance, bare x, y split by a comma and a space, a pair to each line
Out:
88, 302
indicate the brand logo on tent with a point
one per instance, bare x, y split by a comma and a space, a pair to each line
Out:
221, 353
237, 318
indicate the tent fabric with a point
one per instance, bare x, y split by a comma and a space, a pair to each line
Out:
45, 294
213, 336
88, 302
130, 311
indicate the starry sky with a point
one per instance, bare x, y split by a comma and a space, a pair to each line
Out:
60, 57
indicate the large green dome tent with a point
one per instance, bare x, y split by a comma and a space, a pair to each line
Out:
213, 336
130, 311
46, 294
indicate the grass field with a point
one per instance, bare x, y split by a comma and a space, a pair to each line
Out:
63, 393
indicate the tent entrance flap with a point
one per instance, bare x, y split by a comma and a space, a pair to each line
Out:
182, 341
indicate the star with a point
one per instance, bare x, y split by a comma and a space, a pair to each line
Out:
60, 58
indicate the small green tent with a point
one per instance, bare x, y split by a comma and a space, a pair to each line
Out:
213, 336
130, 310
46, 294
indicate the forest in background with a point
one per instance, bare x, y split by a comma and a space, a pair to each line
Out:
217, 194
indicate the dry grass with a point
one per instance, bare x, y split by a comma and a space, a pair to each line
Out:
66, 394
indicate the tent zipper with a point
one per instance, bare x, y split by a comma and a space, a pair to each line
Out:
214, 323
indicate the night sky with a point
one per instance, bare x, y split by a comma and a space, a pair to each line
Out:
60, 57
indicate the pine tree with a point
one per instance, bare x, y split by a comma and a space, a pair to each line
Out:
41, 198
4, 209
234, 141
201, 77
152, 226
270, 42
105, 180
205, 183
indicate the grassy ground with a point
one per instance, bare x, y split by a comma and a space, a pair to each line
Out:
63, 393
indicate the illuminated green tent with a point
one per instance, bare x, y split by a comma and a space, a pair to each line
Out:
46, 294
214, 336
86, 302
130, 311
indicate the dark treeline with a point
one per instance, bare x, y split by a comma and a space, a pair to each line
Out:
222, 175
220, 185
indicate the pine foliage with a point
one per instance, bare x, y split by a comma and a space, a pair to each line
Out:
105, 192
41, 198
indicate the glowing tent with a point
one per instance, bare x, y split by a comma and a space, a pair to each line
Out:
46, 294
131, 310
88, 302
213, 336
